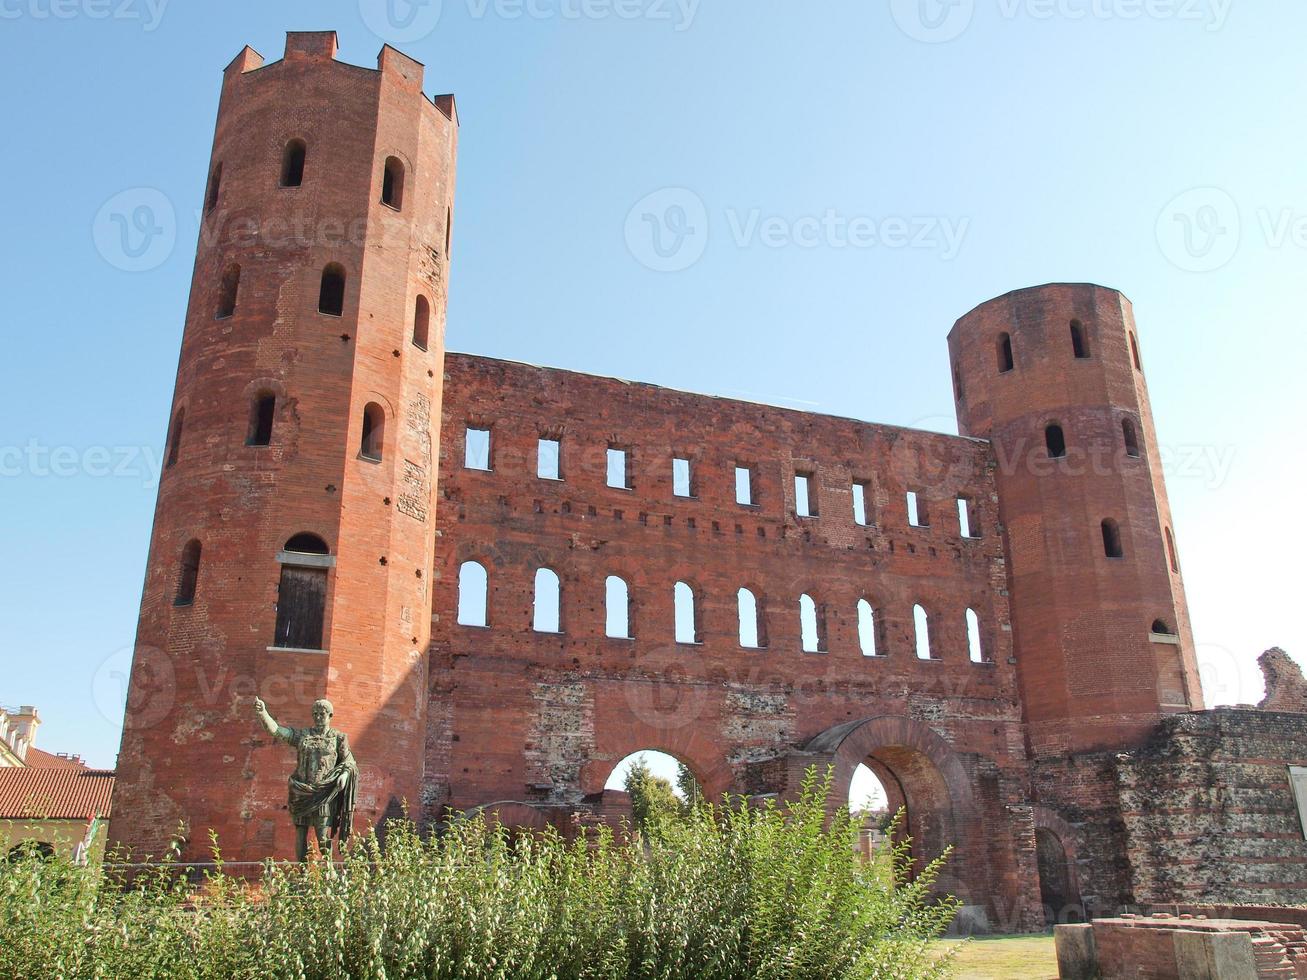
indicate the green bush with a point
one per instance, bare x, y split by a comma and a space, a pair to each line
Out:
719, 891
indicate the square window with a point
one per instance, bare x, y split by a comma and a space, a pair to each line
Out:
548, 459
618, 465
744, 485
805, 502
681, 480
917, 515
860, 504
477, 446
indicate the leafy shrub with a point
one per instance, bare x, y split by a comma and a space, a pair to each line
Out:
719, 891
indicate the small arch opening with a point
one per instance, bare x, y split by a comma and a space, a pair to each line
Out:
1054, 441
975, 643
215, 184
1112, 546
292, 163
812, 624
175, 436
753, 631
305, 543
392, 184
421, 322
331, 293
1134, 352
1005, 359
1079, 340
687, 623
373, 435
921, 626
189, 574
1130, 435
617, 608
227, 290
867, 628
472, 589
263, 410
655, 785
1162, 628
547, 614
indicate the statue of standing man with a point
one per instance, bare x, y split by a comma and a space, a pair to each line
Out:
324, 784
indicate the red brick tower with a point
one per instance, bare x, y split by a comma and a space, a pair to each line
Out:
292, 548
1054, 378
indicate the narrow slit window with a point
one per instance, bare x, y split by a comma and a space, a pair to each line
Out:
1055, 441
1170, 551
331, 293
975, 648
687, 613
262, 414
618, 468
175, 436
231, 283
1130, 435
918, 513
617, 608
958, 392
744, 485
421, 323
392, 184
1134, 352
1112, 547
215, 184
805, 498
753, 634
1079, 340
292, 163
189, 575
860, 503
549, 458
968, 521
682, 478
867, 628
472, 589
1005, 360
373, 436
921, 625
547, 616
812, 625
476, 448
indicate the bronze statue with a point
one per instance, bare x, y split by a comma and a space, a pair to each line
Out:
324, 784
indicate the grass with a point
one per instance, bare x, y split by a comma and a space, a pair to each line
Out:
1004, 958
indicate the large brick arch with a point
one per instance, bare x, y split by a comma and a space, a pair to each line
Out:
688, 744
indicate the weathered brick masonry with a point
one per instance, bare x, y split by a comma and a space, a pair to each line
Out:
304, 546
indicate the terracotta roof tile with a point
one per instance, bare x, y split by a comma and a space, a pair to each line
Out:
58, 794
39, 759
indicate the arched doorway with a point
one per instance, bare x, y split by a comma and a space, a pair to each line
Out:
1057, 882
649, 781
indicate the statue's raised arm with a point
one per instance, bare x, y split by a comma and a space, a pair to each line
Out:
269, 724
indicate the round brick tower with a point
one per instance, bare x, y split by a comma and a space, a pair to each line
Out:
1053, 376
292, 550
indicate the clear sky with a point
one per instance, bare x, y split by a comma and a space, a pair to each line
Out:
1152, 145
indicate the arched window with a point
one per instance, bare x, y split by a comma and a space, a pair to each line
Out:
1005, 361
1079, 340
1170, 551
753, 631
687, 613
231, 283
1054, 440
867, 628
190, 574
262, 412
812, 624
302, 593
1112, 539
1134, 352
617, 608
374, 432
392, 184
421, 322
331, 294
215, 183
472, 584
175, 436
1162, 628
292, 163
1131, 436
921, 624
975, 647
548, 615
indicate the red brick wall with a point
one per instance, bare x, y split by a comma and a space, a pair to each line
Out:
192, 751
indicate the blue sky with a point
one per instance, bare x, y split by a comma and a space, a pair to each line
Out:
975, 147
